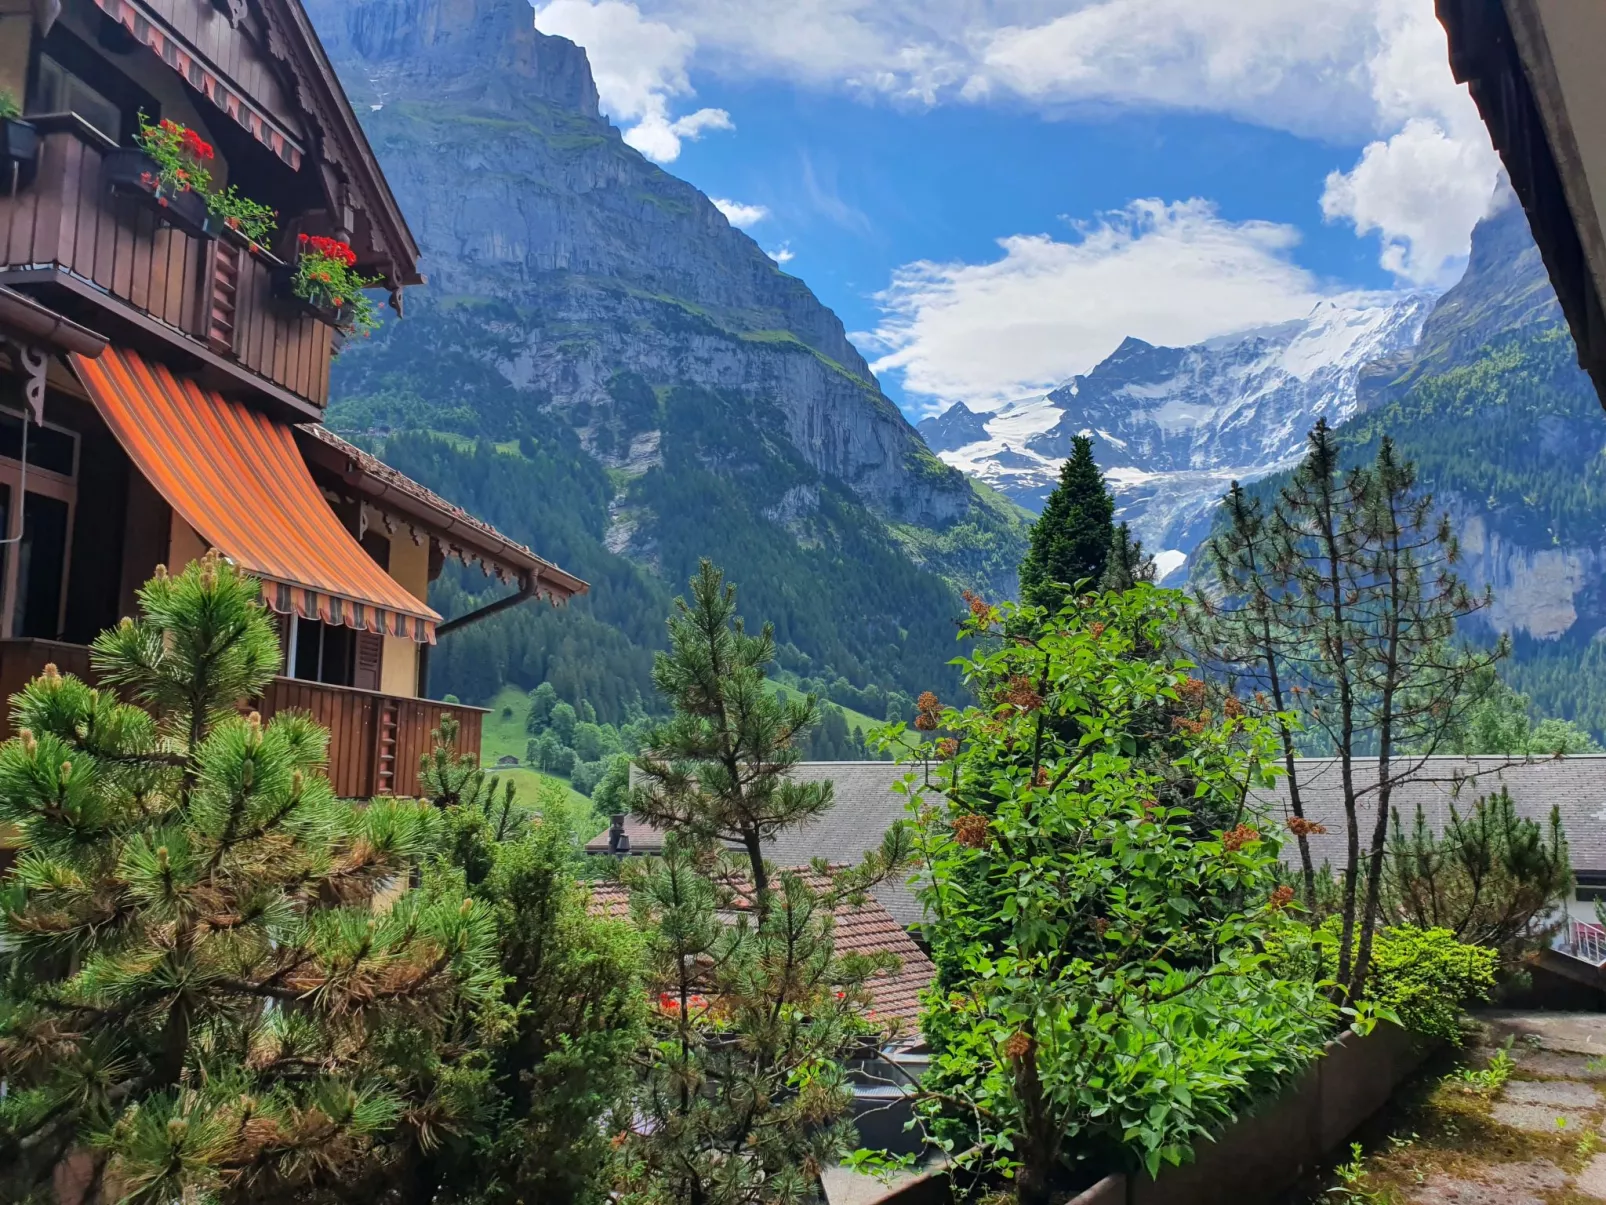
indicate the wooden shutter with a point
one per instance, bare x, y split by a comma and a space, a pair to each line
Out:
370, 650
225, 296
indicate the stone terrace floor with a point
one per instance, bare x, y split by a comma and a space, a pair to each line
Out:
1539, 1139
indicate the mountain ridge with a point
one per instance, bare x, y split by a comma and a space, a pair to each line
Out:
606, 368
1173, 426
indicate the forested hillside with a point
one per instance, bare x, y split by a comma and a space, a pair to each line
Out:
1509, 436
606, 369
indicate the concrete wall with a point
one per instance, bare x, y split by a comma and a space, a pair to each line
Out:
1262, 1154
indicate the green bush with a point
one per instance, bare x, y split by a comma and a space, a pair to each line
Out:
1426, 977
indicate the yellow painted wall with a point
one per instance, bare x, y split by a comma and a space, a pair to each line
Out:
16, 29
409, 565
184, 545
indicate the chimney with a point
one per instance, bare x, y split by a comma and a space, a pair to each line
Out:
618, 843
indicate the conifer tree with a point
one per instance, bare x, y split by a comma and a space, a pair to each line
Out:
555, 1056
1128, 564
1070, 542
200, 998
1350, 586
745, 1097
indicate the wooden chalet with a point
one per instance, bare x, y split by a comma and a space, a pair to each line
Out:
161, 391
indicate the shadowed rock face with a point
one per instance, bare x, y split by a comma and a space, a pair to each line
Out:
581, 260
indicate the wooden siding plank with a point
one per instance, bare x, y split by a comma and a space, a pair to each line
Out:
140, 260
24, 209
74, 198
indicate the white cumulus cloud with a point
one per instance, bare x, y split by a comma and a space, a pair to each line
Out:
1424, 187
640, 68
739, 214
1361, 71
782, 254
1047, 308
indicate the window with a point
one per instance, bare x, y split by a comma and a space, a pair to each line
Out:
38, 533
58, 90
320, 652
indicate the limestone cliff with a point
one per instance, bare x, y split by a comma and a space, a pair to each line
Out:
572, 263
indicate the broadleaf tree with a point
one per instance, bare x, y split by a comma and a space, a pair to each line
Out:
1104, 993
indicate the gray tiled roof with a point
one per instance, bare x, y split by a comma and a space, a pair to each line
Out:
865, 808
1575, 785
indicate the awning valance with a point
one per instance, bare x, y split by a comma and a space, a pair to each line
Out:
237, 477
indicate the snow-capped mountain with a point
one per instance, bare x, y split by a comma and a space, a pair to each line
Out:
1172, 426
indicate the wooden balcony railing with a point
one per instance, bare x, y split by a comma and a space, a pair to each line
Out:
210, 291
375, 740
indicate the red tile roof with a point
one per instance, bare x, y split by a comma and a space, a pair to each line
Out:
865, 928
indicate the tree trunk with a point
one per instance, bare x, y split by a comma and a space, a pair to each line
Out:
1039, 1138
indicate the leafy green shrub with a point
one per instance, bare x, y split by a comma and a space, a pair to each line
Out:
1104, 993
1426, 976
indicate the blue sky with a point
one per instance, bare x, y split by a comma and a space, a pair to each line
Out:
991, 193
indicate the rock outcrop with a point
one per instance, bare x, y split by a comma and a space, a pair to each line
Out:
582, 262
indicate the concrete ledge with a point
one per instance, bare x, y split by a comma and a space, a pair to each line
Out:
1267, 1150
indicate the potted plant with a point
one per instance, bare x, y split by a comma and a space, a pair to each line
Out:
323, 280
167, 167
247, 222
19, 141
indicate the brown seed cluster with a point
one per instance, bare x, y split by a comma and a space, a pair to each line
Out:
1095, 629
1301, 827
1232, 707
1282, 897
1021, 693
1235, 839
946, 748
979, 610
928, 712
1192, 692
1017, 1045
971, 831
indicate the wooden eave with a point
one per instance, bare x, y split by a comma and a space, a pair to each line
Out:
365, 477
294, 41
1502, 52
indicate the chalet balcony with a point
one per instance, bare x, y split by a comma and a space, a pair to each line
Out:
375, 740
65, 230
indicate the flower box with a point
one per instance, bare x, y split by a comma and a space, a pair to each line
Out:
19, 146
134, 173
284, 287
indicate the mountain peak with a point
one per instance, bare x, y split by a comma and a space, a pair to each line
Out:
459, 49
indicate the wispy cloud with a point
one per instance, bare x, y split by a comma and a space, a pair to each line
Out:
782, 254
820, 191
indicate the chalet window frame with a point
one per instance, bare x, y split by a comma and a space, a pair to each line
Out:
47, 484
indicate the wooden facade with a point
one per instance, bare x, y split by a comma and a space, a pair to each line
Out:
379, 738
215, 292
375, 740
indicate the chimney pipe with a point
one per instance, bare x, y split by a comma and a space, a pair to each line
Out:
617, 841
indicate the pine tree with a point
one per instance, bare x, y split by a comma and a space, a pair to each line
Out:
1128, 564
554, 1058
1070, 542
211, 988
745, 1097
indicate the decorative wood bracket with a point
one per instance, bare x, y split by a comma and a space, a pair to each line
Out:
34, 363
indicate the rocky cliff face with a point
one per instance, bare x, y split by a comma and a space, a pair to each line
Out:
582, 264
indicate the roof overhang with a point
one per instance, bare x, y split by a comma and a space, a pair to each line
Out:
371, 480
1537, 71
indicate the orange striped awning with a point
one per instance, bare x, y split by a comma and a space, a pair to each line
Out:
237, 477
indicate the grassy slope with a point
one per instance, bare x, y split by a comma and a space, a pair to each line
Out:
504, 736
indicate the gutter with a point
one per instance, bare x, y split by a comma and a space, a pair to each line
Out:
23, 315
532, 589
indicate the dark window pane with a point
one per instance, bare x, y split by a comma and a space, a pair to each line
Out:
48, 448
309, 638
44, 555
337, 656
